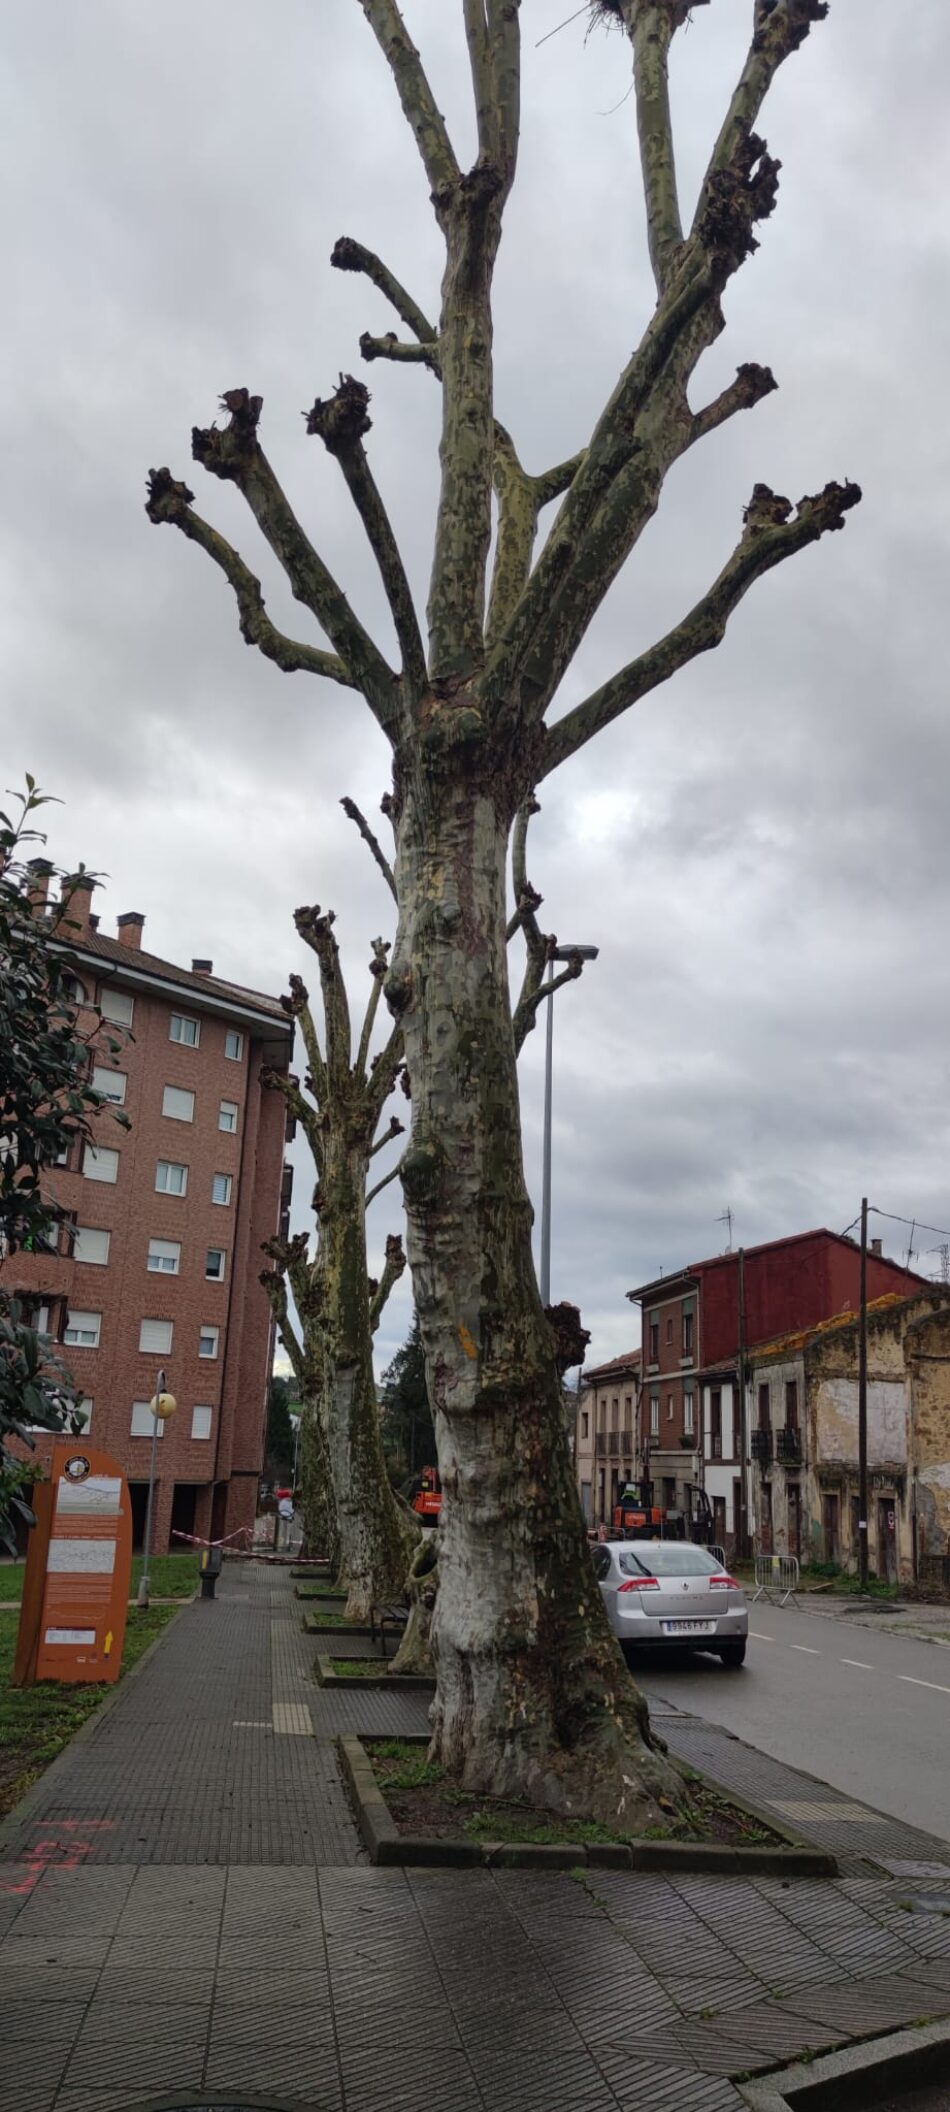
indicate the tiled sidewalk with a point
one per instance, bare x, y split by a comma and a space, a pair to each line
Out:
186, 1917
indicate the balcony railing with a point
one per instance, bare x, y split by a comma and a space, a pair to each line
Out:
761, 1442
615, 1441
715, 1445
600, 1442
626, 1440
789, 1447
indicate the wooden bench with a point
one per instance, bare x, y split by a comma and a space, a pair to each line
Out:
394, 1616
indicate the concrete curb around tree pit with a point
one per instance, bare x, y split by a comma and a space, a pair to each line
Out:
386, 1843
383, 1681
857, 2076
312, 1625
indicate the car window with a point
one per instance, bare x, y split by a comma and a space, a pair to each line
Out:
667, 1559
601, 1561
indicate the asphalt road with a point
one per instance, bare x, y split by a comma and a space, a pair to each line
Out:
866, 1712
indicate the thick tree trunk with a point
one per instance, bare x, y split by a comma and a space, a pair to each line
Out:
533, 1695
375, 1542
320, 1535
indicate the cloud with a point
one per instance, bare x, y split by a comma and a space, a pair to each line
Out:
759, 849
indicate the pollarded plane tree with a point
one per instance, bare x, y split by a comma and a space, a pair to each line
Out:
532, 1695
349, 1505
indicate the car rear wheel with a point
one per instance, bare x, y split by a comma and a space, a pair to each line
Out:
732, 1655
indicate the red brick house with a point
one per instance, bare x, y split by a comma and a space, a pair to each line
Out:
168, 1217
606, 1440
693, 1324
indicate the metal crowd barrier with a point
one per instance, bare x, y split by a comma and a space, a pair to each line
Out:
776, 1578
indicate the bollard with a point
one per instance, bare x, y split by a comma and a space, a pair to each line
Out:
210, 1567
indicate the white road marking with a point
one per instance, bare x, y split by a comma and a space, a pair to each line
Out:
757, 1636
857, 1662
805, 1649
932, 1683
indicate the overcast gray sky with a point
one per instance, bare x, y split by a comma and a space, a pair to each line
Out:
760, 850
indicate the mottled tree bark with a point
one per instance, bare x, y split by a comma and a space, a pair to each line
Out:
532, 1693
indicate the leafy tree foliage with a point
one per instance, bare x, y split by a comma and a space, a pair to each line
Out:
408, 1433
46, 1102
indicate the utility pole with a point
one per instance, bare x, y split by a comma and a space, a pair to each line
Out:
863, 1406
742, 1531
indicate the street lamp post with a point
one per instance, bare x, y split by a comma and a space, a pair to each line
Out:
162, 1405
559, 953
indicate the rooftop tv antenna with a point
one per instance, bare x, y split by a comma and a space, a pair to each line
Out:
726, 1219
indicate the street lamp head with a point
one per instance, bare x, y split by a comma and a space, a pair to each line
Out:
569, 953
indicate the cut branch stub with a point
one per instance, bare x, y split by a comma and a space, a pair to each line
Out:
782, 25
341, 420
299, 996
228, 451
570, 1336
168, 498
736, 198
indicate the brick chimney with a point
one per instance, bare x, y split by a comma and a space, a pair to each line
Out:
202, 967
75, 902
38, 888
130, 929
877, 1246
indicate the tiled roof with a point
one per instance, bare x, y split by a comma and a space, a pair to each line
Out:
113, 953
629, 1361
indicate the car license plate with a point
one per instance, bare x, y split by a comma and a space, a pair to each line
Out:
689, 1627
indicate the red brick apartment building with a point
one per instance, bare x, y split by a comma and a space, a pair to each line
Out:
694, 1322
169, 1215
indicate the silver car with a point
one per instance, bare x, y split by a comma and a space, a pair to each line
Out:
671, 1595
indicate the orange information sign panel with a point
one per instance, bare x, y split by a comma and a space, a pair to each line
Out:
78, 1570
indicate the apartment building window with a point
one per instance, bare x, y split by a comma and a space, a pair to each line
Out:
669, 1329
184, 1030
654, 1415
715, 1422
178, 1104
201, 1421
585, 1423
765, 1405
221, 1188
670, 1407
117, 1006
214, 1264
208, 1342
791, 1404
688, 1321
74, 990
234, 1045
111, 1084
86, 1407
99, 1163
654, 1340
91, 1245
164, 1257
227, 1116
155, 1337
82, 1330
689, 1414
170, 1178
143, 1420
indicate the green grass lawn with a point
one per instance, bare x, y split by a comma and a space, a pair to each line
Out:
172, 1577
36, 1722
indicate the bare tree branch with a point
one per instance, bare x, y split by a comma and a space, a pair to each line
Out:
650, 26
301, 1108
383, 1072
315, 927
552, 483
779, 27
751, 384
393, 1268
341, 422
348, 255
350, 807
392, 1175
483, 76
402, 354
275, 1285
171, 502
396, 1129
377, 969
505, 34
773, 531
517, 528
418, 103
297, 1006
233, 453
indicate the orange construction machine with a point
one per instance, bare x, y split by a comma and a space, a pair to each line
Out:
637, 1517
425, 1495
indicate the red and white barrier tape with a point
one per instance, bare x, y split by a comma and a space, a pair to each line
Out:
242, 1533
